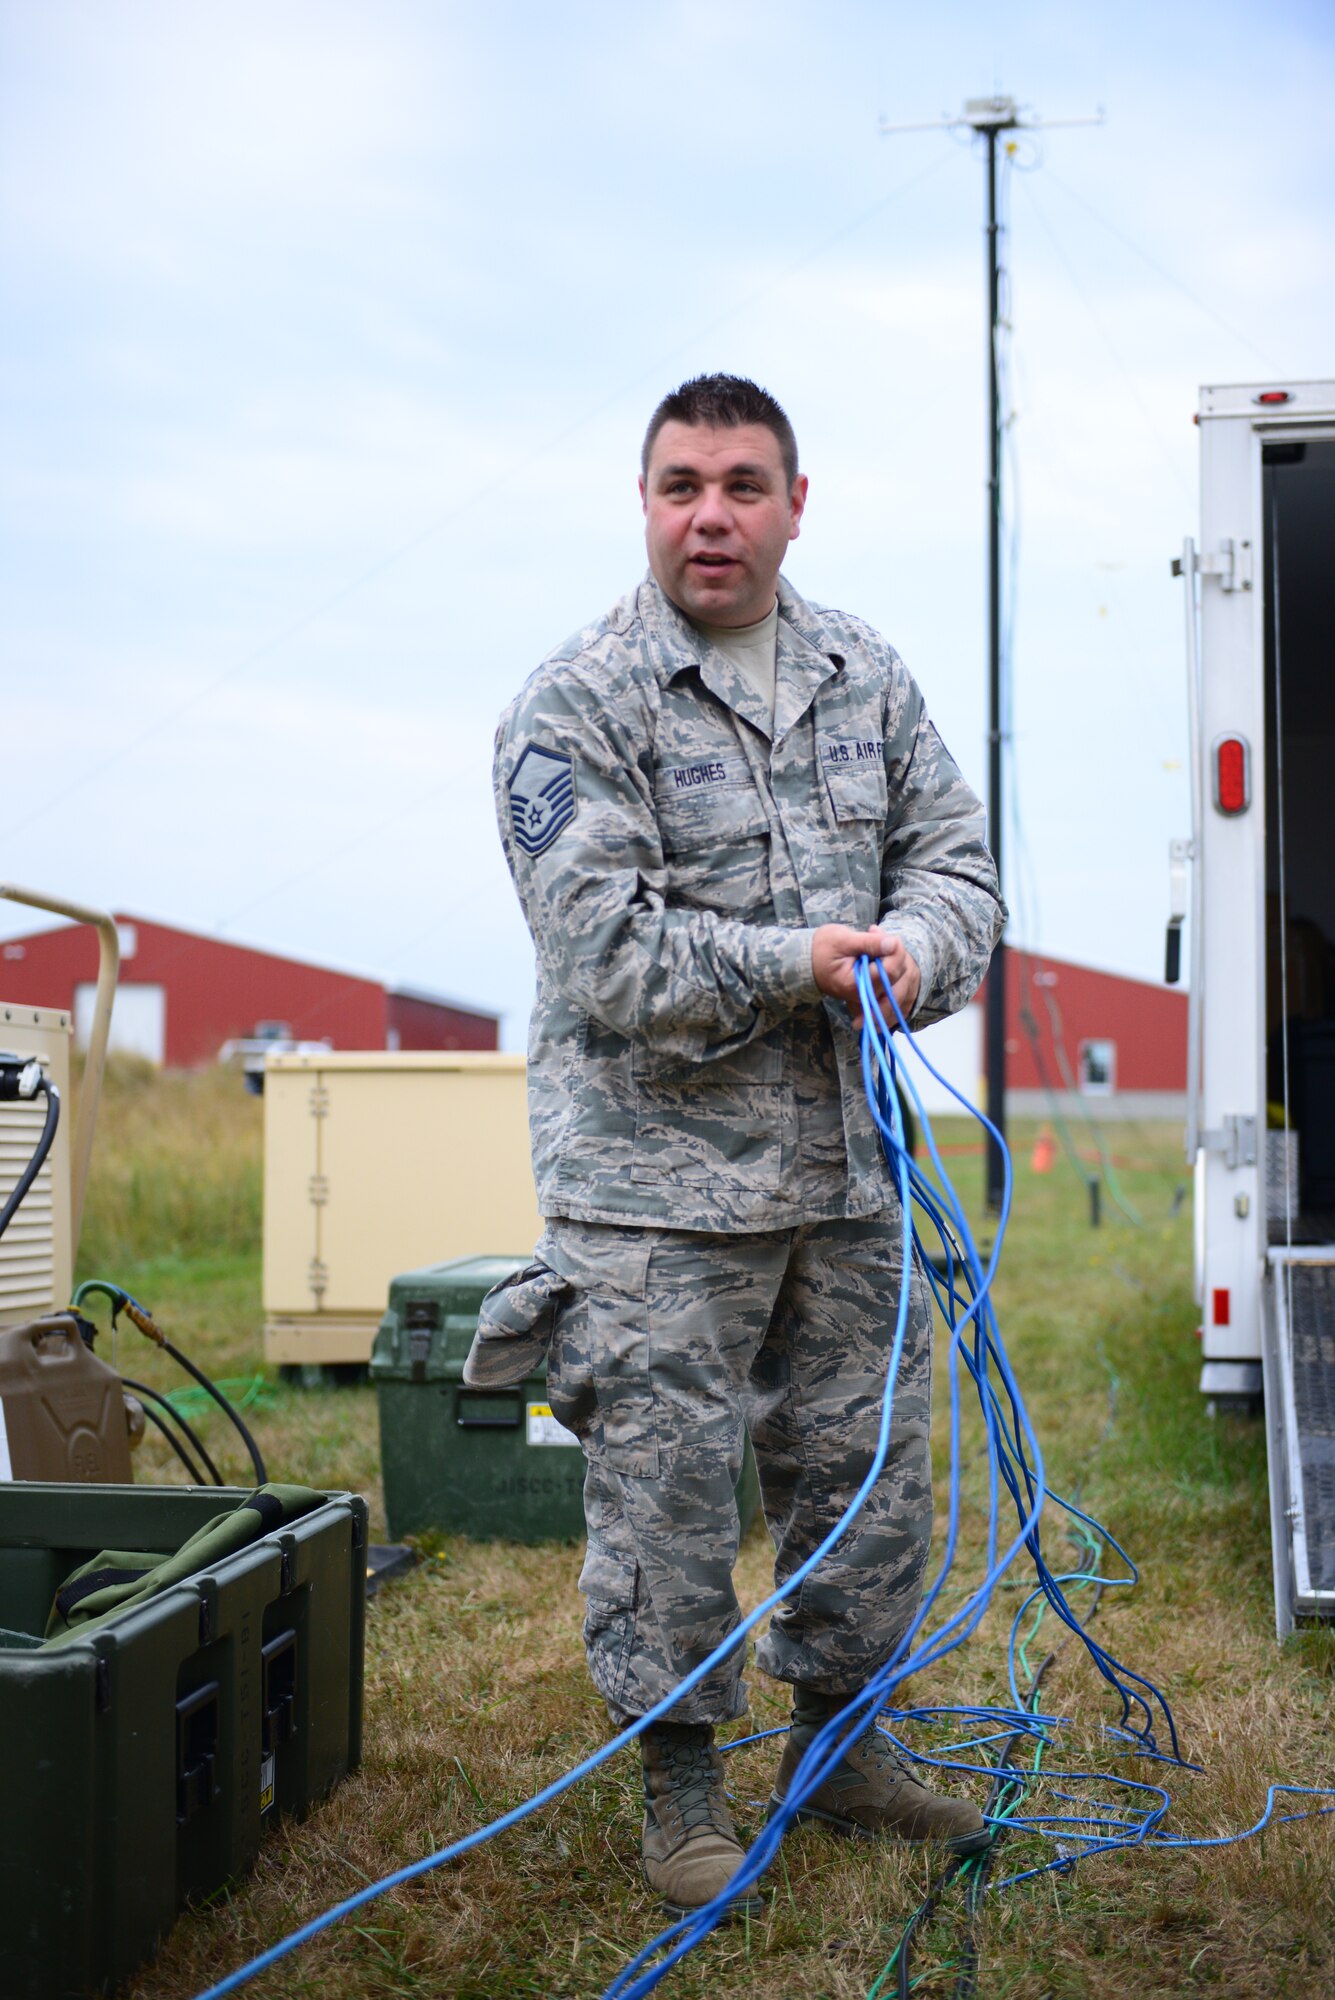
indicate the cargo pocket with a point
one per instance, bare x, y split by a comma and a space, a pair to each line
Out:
618, 1347
570, 1394
913, 1393
609, 1584
514, 1327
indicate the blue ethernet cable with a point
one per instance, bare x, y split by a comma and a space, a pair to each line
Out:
271, 1956
825, 1751
1014, 1462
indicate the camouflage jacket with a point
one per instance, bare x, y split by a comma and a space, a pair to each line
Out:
672, 862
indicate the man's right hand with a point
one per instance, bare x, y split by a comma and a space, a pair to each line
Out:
835, 951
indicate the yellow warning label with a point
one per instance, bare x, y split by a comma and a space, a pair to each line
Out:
543, 1427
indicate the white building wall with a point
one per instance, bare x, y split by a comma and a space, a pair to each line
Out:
955, 1047
138, 1019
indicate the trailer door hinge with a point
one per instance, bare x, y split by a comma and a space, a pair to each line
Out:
1181, 853
1236, 1140
319, 1101
319, 1279
1231, 562
319, 1190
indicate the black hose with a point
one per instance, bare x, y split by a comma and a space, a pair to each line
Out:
966, 1984
38, 1160
142, 1389
966, 1979
176, 1446
121, 1301
183, 1361
926, 1909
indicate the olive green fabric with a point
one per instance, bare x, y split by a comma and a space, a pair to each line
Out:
117, 1578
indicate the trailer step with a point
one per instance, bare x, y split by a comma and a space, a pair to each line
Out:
1300, 1419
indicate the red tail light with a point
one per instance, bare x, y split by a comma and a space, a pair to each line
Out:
1274, 396
1220, 1313
1232, 775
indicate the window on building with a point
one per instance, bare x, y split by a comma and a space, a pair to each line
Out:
1098, 1069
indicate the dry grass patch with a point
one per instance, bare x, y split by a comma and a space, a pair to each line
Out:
176, 1168
476, 1693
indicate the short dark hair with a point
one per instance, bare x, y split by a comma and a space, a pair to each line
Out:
724, 402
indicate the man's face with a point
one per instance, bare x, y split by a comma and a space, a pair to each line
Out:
719, 516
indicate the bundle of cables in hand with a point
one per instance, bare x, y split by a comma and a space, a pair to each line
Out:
1017, 1494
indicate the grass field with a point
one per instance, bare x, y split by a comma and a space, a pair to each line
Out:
476, 1694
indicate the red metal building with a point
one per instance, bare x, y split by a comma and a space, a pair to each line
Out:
181, 996
1109, 1035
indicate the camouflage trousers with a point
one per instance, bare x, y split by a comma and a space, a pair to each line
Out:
667, 1343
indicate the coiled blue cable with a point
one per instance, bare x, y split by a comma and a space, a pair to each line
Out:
458, 1848
1023, 1477
1014, 1462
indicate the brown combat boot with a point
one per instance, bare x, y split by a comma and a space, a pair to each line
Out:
873, 1793
690, 1848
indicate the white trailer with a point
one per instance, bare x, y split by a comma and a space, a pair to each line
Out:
1260, 618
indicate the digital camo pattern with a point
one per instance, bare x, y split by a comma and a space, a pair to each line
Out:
684, 1069
665, 1344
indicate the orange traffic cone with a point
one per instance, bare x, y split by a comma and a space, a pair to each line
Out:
1045, 1153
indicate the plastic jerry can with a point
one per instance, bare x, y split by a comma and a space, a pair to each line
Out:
63, 1414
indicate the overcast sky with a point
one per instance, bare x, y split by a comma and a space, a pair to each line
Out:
330, 330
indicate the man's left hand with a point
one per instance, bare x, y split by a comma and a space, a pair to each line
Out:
901, 970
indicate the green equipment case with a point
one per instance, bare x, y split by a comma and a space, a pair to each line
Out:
143, 1758
488, 1463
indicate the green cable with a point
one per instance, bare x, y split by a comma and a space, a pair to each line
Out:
243, 1391
116, 1293
1095, 1131
932, 1971
1089, 1551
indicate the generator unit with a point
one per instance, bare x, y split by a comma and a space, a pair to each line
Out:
377, 1161
37, 1249
63, 1413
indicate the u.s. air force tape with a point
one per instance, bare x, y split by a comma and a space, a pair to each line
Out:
542, 797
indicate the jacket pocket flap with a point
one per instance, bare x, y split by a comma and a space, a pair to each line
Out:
712, 818
857, 791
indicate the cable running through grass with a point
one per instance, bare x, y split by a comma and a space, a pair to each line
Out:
962, 1287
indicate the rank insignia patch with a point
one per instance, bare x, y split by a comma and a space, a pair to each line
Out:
542, 797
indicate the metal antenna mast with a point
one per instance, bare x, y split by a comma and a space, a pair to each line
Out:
991, 116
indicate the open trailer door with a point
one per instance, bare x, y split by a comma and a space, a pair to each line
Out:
1261, 1083
1297, 544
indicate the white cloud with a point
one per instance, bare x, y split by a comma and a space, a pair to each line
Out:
145, 125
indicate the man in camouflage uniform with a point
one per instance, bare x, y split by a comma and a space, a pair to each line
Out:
713, 801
